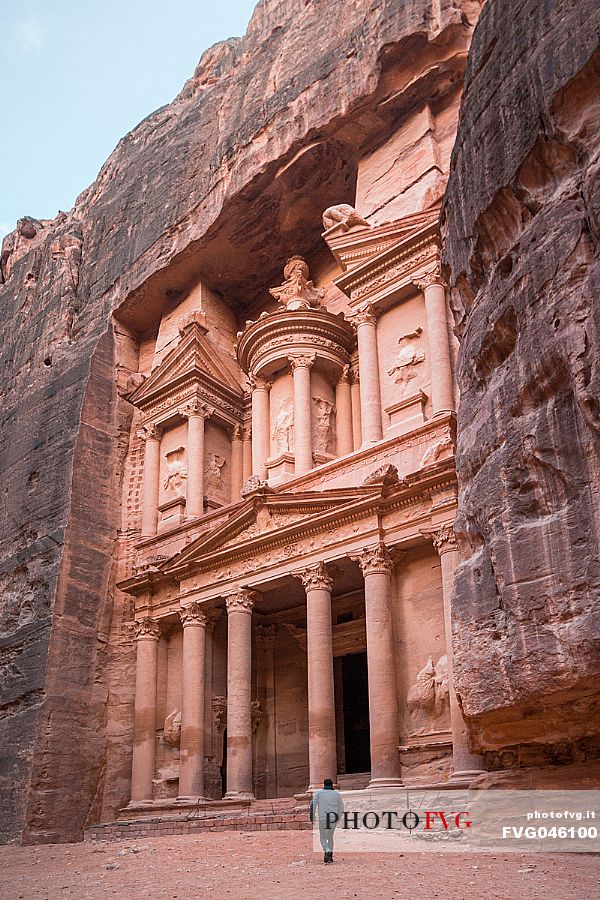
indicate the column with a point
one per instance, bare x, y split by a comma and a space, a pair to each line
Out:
247, 454
261, 438
195, 412
466, 765
191, 750
239, 695
343, 414
266, 752
237, 462
322, 757
143, 765
356, 419
368, 361
301, 366
212, 618
442, 392
376, 565
151, 435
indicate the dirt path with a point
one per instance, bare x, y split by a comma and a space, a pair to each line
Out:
265, 865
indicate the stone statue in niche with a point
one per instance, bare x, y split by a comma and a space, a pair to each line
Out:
409, 356
428, 698
283, 429
322, 430
215, 485
297, 291
176, 477
172, 729
343, 214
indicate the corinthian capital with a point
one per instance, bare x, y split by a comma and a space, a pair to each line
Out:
375, 560
193, 614
259, 384
242, 600
147, 628
426, 279
306, 361
315, 578
196, 408
366, 315
149, 431
443, 538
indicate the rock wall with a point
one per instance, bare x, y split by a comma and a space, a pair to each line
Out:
522, 233
172, 202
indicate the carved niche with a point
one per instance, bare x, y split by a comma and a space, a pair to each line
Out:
282, 432
322, 431
213, 474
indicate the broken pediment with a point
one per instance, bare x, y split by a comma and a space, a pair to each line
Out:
193, 362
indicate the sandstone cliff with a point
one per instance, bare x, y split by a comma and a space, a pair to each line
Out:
522, 250
231, 156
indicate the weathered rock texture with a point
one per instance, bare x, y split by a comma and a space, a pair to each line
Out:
522, 249
265, 120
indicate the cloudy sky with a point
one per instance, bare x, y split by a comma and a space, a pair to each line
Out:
77, 75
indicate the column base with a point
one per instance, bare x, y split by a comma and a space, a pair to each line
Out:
239, 795
385, 783
465, 776
191, 798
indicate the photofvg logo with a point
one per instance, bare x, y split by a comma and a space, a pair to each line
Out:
446, 820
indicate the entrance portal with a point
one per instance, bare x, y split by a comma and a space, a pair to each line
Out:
355, 689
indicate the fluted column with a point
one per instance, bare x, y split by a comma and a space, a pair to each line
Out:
239, 695
343, 413
143, 763
356, 418
301, 366
322, 756
376, 565
261, 424
442, 390
466, 765
151, 435
191, 752
365, 321
237, 462
247, 454
196, 413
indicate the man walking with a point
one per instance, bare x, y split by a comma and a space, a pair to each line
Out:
330, 806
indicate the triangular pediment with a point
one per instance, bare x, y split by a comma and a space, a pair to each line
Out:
356, 246
194, 355
263, 516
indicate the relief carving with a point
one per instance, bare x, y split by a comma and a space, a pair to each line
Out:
297, 291
409, 356
176, 477
283, 429
440, 450
172, 729
343, 214
215, 484
428, 698
321, 422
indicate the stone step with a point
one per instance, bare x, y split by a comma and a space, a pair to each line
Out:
356, 781
160, 819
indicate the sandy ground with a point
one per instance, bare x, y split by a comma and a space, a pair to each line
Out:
281, 864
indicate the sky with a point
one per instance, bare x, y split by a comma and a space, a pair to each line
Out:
77, 75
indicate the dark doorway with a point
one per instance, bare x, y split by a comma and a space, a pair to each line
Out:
224, 766
355, 687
